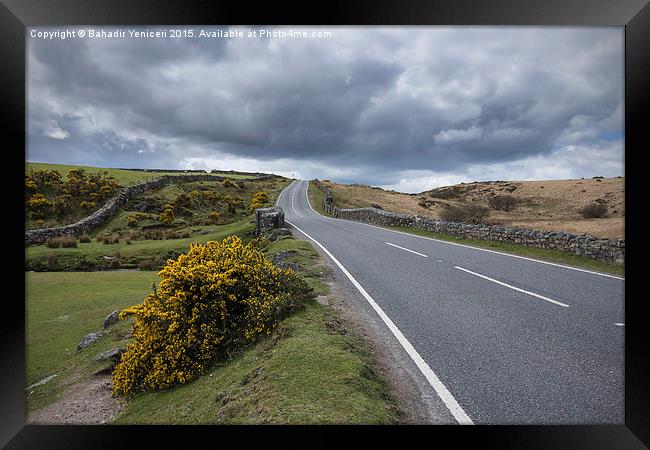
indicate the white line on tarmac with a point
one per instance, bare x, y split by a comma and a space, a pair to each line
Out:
293, 197
618, 324
513, 287
412, 251
450, 402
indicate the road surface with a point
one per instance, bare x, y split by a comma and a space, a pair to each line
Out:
500, 339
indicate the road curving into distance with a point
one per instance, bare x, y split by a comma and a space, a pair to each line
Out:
500, 339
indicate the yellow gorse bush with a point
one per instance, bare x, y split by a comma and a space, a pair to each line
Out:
216, 295
79, 189
258, 200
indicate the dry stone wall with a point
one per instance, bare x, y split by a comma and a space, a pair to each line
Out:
109, 208
610, 250
267, 219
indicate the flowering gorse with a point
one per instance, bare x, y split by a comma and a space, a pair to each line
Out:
216, 295
48, 195
258, 200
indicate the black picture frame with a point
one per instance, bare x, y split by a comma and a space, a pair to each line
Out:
634, 15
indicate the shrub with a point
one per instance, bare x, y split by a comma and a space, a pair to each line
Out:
133, 219
53, 243
477, 213
214, 216
84, 238
468, 213
68, 241
445, 192
52, 262
167, 216
217, 295
172, 235
258, 200
502, 202
39, 205
594, 210
147, 264
108, 239
61, 241
87, 205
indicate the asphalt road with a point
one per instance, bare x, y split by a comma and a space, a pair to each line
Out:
502, 340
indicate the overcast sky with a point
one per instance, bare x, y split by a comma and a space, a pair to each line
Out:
405, 108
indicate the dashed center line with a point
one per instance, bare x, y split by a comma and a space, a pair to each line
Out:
619, 324
406, 249
513, 287
293, 198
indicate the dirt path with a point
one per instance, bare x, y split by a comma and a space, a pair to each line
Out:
85, 403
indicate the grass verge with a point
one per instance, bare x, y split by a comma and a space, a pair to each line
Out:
316, 198
520, 250
311, 370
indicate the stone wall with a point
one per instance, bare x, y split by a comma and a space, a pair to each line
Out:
611, 250
94, 220
267, 219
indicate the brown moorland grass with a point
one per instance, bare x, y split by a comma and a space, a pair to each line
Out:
550, 205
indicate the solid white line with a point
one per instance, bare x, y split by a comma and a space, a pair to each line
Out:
618, 324
393, 245
277, 201
456, 410
513, 287
473, 248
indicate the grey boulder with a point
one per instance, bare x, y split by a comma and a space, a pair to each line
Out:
113, 355
112, 318
89, 339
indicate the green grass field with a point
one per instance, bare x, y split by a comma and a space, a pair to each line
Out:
310, 370
63, 307
124, 177
93, 253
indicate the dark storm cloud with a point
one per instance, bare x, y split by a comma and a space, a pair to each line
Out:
367, 103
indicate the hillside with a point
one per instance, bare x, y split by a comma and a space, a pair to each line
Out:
550, 205
62, 194
124, 177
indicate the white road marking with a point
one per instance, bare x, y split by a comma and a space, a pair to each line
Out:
472, 248
293, 197
618, 324
412, 251
513, 287
456, 410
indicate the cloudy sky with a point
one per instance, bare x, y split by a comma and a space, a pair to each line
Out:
405, 108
